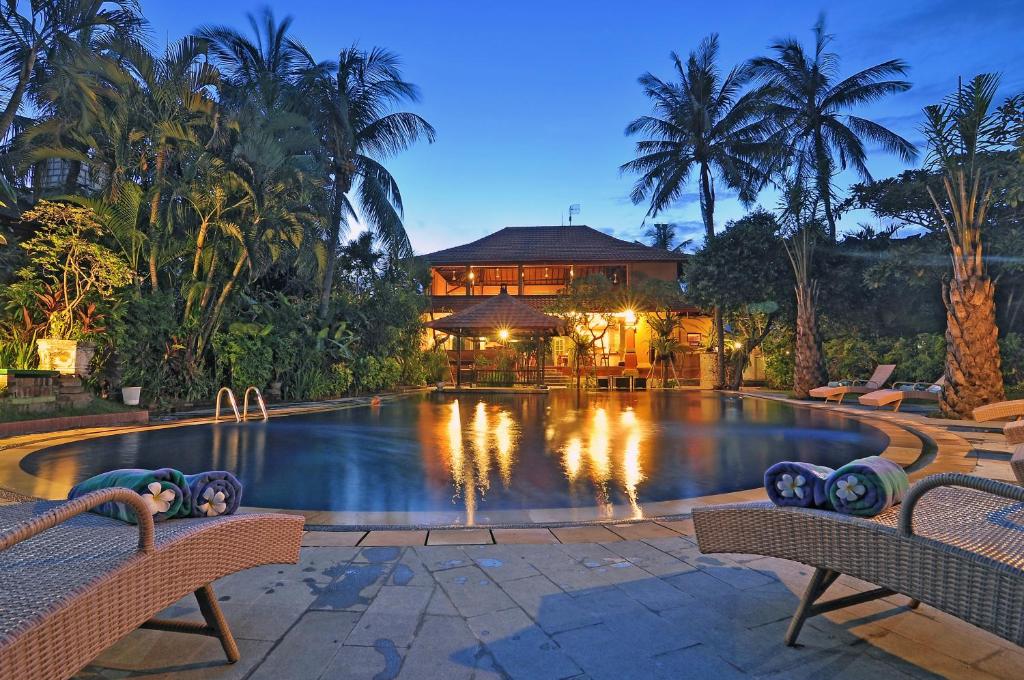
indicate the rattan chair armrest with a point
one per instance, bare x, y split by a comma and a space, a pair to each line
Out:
992, 486
1001, 409
66, 511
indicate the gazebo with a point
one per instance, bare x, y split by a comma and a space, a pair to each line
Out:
503, 316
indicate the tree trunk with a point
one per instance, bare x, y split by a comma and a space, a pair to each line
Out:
973, 371
825, 184
14, 103
707, 212
332, 249
809, 371
218, 306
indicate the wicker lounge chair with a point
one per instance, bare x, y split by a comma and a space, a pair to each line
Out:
1013, 430
73, 583
903, 390
837, 392
956, 543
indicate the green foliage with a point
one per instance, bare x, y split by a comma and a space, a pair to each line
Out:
779, 358
245, 355
18, 353
374, 374
435, 365
1011, 348
68, 269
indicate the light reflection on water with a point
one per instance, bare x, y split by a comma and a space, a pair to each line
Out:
482, 453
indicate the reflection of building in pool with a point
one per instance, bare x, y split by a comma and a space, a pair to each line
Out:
490, 441
535, 264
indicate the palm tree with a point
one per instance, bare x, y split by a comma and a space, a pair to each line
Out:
37, 38
800, 220
701, 125
353, 117
808, 106
663, 236
959, 131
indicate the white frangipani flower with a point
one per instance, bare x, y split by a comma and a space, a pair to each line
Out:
849, 489
158, 499
215, 503
791, 486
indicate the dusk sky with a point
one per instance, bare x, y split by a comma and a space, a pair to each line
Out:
530, 99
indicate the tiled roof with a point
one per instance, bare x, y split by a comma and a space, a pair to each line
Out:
578, 243
499, 311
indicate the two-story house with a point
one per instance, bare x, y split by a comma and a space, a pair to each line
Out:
535, 264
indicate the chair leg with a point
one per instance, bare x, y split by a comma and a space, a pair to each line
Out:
819, 583
215, 619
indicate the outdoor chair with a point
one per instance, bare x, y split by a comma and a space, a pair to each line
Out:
838, 391
1014, 430
73, 583
903, 390
955, 543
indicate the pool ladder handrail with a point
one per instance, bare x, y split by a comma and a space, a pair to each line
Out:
259, 400
231, 400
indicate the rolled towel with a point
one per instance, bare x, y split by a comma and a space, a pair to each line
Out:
797, 484
163, 490
867, 486
214, 493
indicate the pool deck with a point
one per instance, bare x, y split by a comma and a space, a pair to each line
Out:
600, 600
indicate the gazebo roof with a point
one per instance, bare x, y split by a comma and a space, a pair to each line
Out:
500, 311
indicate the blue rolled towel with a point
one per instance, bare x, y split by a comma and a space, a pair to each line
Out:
164, 491
797, 484
867, 486
214, 493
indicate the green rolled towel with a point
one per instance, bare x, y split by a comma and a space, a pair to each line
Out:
867, 486
165, 491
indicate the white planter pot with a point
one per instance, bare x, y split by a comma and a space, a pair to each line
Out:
130, 395
68, 357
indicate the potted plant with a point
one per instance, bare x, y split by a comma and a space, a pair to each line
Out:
69, 273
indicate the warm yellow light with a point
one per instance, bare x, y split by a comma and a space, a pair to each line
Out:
503, 334
630, 316
471, 275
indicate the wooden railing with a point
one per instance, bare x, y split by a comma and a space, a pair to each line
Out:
497, 377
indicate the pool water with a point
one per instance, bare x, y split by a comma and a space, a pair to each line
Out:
480, 453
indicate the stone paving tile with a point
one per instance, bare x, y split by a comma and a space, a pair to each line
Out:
520, 647
409, 570
655, 594
528, 536
641, 530
381, 661
444, 649
308, 647
649, 558
439, 558
394, 538
553, 609
472, 591
440, 605
501, 563
888, 644
331, 538
585, 534
153, 654
398, 629
460, 537
681, 526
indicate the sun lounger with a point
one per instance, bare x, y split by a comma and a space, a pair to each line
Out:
73, 583
955, 543
1013, 430
837, 392
903, 390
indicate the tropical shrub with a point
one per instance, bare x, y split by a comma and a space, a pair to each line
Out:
1012, 349
435, 365
244, 355
374, 374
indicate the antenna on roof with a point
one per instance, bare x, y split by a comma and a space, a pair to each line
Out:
574, 209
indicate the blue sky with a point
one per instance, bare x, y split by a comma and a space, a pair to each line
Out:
530, 99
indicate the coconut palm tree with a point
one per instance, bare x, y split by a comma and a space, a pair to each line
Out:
808, 102
352, 112
40, 37
703, 125
959, 131
663, 236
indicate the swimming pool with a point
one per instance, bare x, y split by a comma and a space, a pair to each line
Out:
475, 459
